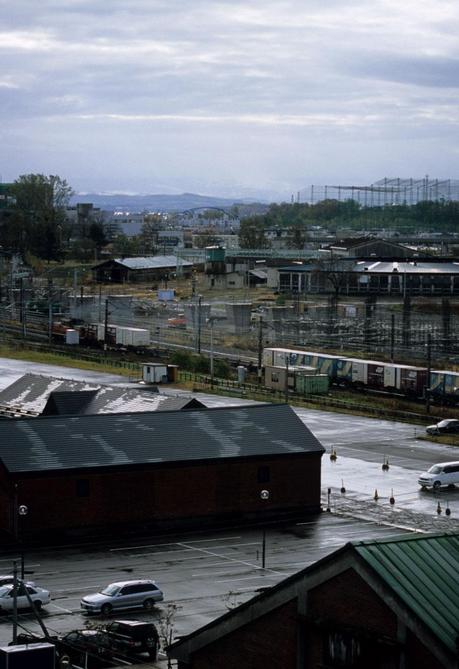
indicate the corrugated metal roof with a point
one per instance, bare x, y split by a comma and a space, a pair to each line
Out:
424, 572
414, 267
54, 396
259, 273
378, 267
152, 262
104, 440
31, 391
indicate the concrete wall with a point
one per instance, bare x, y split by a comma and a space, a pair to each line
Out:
239, 316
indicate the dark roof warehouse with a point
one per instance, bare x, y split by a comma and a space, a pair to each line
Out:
182, 468
107, 440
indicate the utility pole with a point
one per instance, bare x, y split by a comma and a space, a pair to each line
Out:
286, 378
106, 325
260, 347
15, 602
198, 345
429, 366
23, 310
392, 337
50, 320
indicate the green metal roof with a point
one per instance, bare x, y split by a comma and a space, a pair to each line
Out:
424, 572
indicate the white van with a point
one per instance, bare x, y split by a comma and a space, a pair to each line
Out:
445, 473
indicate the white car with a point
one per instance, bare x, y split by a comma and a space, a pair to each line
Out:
445, 473
39, 596
5, 579
123, 595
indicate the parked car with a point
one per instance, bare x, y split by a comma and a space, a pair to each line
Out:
123, 595
5, 579
132, 637
445, 473
86, 648
39, 596
447, 426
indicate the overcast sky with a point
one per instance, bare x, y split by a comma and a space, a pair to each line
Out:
228, 97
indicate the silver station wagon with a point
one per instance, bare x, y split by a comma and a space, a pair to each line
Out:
123, 595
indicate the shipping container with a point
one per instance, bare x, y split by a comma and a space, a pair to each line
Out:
390, 377
444, 385
375, 376
412, 380
344, 370
359, 372
33, 656
311, 384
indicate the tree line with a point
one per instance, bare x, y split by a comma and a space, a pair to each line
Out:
34, 221
337, 215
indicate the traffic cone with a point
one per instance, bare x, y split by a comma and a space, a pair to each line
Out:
376, 496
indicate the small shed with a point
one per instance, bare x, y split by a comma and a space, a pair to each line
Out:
154, 372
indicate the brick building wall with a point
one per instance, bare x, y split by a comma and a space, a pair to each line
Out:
343, 612
166, 494
348, 600
268, 642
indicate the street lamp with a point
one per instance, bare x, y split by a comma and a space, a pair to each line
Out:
264, 495
23, 510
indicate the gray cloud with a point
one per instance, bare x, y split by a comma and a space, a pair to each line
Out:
230, 92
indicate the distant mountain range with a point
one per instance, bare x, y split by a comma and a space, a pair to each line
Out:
163, 203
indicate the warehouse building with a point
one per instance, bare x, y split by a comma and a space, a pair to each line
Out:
376, 277
35, 395
150, 268
387, 604
156, 470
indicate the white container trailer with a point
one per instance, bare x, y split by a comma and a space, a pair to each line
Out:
126, 336
359, 372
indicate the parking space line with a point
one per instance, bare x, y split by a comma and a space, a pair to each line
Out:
230, 559
171, 543
247, 578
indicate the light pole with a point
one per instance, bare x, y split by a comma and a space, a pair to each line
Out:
264, 495
23, 510
198, 320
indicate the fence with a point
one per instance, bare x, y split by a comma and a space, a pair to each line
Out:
203, 382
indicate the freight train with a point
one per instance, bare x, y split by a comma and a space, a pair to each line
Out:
93, 334
390, 377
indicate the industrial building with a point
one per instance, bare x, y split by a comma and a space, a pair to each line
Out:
35, 395
387, 604
156, 470
150, 268
361, 277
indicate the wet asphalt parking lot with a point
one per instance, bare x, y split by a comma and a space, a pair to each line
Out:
205, 574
